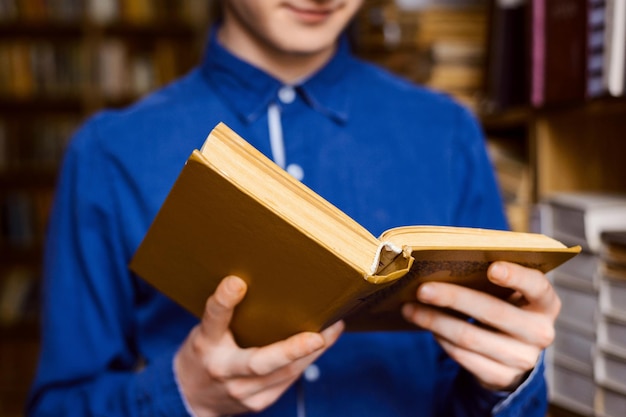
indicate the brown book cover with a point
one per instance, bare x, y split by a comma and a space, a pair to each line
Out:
506, 71
563, 51
306, 263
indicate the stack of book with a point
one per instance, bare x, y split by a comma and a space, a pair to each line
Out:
123, 69
456, 39
577, 50
41, 68
567, 50
24, 217
610, 359
553, 52
440, 44
103, 11
515, 179
578, 219
19, 301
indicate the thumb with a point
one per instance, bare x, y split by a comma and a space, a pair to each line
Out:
219, 307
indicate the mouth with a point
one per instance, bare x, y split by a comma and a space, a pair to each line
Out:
311, 15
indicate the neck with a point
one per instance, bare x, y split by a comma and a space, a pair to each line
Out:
288, 67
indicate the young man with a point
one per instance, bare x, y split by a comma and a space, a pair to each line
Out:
386, 152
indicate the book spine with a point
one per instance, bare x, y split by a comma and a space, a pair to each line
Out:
560, 51
596, 48
538, 51
615, 38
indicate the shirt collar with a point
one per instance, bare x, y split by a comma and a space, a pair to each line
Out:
248, 90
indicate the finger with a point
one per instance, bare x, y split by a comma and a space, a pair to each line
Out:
265, 360
220, 305
532, 284
263, 399
499, 347
268, 388
255, 380
529, 327
490, 374
257, 392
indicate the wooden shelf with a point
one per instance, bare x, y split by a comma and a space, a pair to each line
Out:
24, 331
581, 147
28, 177
30, 255
511, 119
18, 360
149, 30
41, 104
42, 30
156, 28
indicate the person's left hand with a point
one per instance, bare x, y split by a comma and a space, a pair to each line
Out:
507, 338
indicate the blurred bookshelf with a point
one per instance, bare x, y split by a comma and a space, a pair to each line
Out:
61, 62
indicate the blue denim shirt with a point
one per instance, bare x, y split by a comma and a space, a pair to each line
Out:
385, 151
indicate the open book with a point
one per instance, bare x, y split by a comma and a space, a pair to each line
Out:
307, 264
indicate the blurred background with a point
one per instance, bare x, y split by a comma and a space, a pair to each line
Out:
544, 77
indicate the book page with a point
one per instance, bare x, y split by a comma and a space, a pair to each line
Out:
466, 237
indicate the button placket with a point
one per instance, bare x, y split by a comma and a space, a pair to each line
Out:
312, 373
287, 95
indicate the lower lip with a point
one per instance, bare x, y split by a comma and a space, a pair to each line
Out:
310, 17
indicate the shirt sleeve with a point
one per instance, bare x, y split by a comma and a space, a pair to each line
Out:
89, 362
529, 399
469, 398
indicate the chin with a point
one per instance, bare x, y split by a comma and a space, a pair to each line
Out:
312, 44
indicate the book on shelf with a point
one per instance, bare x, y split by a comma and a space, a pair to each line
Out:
612, 291
18, 296
454, 40
567, 50
613, 248
146, 12
451, 23
232, 211
612, 320
514, 179
454, 77
24, 217
613, 268
579, 218
614, 77
597, 16
506, 71
17, 227
412, 5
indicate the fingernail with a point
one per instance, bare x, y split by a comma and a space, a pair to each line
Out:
338, 327
234, 285
498, 271
315, 342
425, 292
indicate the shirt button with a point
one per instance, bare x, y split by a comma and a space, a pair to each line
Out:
312, 373
295, 171
287, 94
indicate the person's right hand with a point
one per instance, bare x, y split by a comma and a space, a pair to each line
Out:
219, 378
